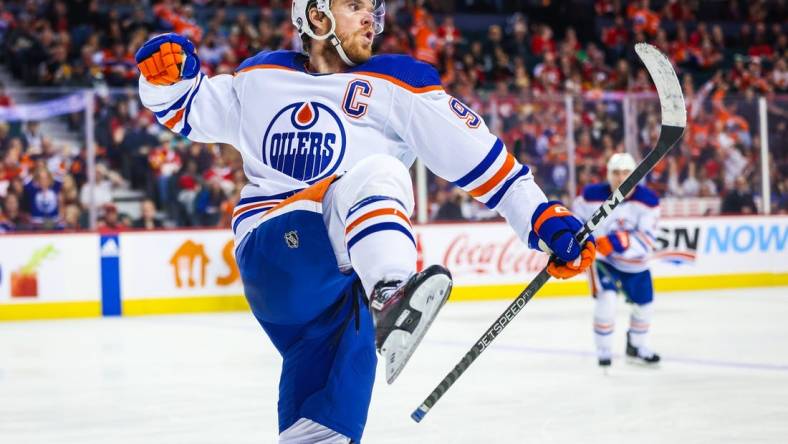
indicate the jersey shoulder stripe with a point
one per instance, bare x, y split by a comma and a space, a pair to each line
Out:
596, 192
645, 196
282, 59
402, 70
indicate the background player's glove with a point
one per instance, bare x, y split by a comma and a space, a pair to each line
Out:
617, 241
553, 231
167, 58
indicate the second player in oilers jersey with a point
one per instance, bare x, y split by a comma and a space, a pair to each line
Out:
294, 128
625, 241
633, 225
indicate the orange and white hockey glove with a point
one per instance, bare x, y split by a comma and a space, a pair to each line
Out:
167, 59
553, 231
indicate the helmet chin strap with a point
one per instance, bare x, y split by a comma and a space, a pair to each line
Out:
338, 46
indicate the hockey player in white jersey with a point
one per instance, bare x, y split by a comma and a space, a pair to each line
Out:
323, 228
625, 242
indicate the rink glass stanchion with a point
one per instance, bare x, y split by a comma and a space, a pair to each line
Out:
674, 122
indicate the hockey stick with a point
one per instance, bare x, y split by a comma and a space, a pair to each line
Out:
674, 121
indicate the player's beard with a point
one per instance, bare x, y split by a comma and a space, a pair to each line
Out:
355, 46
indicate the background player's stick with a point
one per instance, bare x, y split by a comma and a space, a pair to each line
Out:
674, 121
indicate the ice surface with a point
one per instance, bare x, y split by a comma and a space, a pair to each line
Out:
213, 378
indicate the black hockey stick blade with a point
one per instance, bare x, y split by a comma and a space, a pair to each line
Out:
674, 121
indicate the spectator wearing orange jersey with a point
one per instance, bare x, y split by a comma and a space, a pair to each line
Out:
707, 57
679, 50
426, 42
182, 23
165, 162
643, 18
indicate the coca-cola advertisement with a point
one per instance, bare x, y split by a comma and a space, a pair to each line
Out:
479, 254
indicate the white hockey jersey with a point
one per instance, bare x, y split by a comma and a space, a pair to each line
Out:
637, 215
294, 128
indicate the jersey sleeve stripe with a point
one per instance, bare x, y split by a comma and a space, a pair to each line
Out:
496, 198
176, 105
186, 127
180, 116
174, 120
483, 166
498, 177
400, 83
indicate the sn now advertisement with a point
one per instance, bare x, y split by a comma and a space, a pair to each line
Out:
722, 245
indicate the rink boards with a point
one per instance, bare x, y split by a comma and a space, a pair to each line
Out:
135, 273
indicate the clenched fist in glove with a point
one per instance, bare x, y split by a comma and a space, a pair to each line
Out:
167, 59
616, 241
553, 229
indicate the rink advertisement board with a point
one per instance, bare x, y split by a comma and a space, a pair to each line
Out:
131, 273
49, 276
488, 261
179, 271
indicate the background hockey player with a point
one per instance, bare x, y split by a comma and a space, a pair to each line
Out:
327, 138
625, 241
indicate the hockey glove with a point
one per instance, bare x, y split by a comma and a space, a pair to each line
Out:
553, 231
616, 241
167, 59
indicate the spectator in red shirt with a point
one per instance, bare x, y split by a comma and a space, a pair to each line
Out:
677, 11
543, 41
5, 99
110, 219
760, 46
448, 33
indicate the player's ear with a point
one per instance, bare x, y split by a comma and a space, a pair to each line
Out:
319, 22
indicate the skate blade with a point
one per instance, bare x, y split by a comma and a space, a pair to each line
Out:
400, 345
637, 362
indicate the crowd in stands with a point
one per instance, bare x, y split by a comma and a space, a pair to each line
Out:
515, 72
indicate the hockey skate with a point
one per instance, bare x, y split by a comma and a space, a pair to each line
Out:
403, 311
641, 355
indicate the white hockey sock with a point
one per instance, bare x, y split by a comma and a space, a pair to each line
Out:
380, 241
604, 322
367, 214
639, 323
